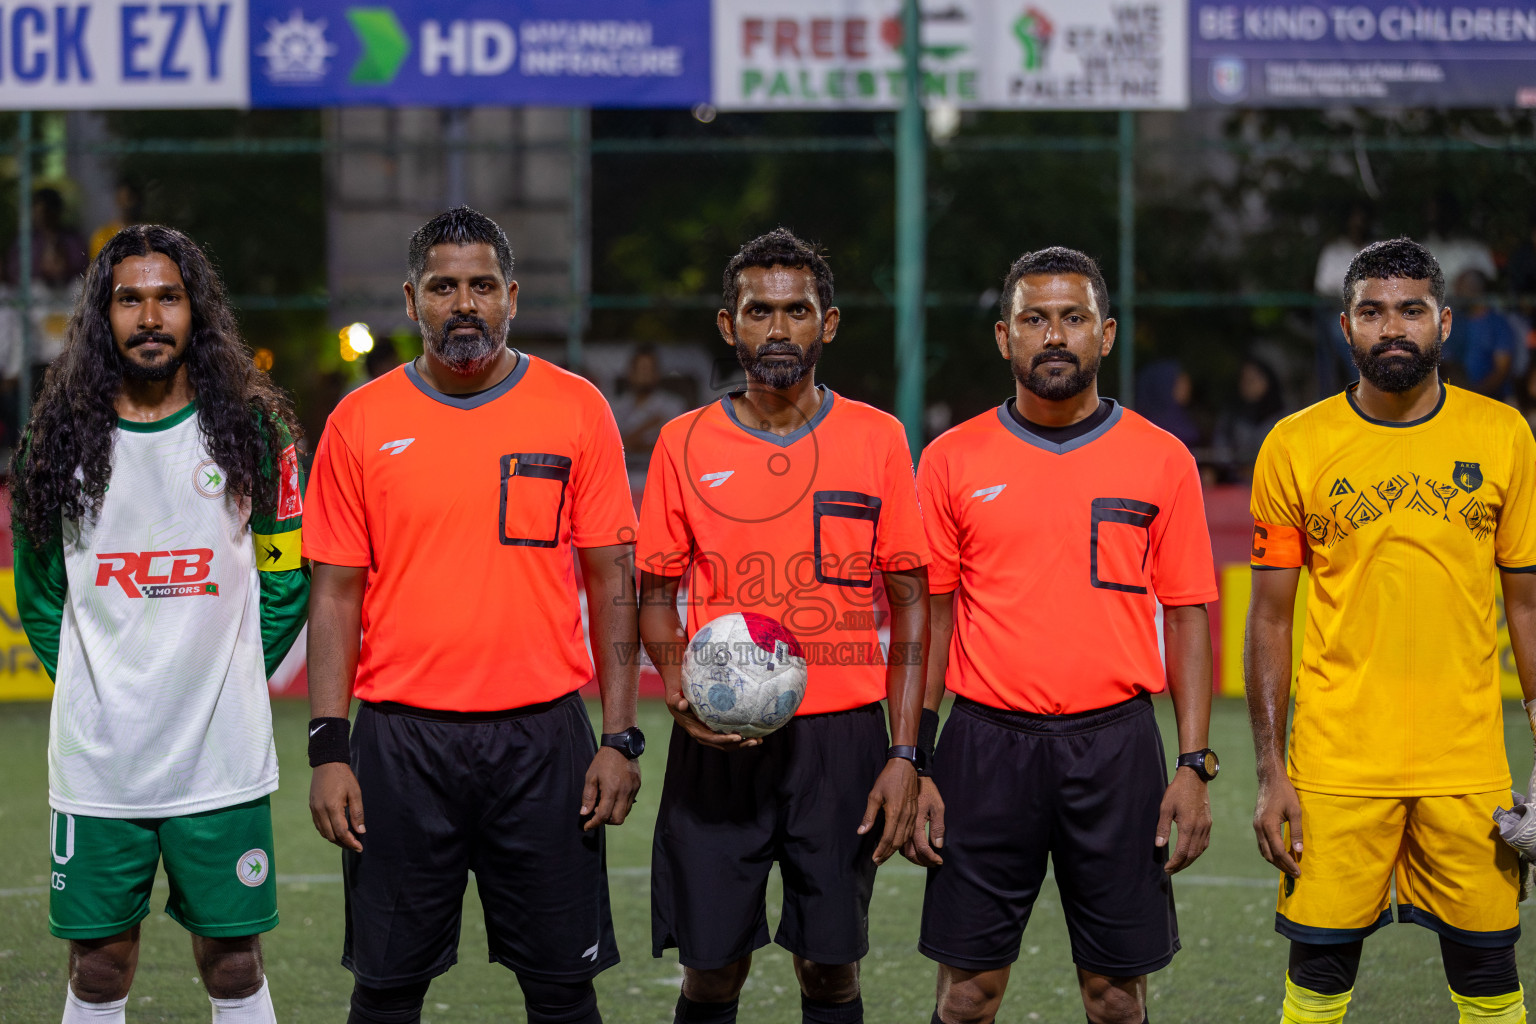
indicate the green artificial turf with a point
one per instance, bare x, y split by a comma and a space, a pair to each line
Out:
1232, 967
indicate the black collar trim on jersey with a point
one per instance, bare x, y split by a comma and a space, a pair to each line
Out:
1349, 393
477, 399
1006, 419
827, 397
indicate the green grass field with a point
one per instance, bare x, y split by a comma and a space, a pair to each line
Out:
1231, 969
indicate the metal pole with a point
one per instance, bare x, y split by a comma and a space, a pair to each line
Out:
24, 265
911, 232
1125, 338
581, 155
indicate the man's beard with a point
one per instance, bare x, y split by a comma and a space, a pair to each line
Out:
776, 375
1395, 375
137, 371
1055, 387
466, 354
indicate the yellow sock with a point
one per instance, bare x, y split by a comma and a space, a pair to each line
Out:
1508, 1008
1303, 1006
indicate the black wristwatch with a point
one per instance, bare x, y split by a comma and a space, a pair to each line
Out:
1204, 763
630, 742
908, 753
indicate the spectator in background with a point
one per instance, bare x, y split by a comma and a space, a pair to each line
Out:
1335, 366
130, 211
1164, 394
1241, 429
641, 409
1453, 249
1525, 397
382, 358
58, 252
1481, 349
1521, 270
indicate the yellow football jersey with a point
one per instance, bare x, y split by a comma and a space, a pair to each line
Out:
1400, 527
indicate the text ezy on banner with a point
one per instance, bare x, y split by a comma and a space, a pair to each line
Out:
114, 54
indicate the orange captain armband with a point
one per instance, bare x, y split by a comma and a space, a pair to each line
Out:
1276, 547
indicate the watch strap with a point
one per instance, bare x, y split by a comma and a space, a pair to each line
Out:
907, 753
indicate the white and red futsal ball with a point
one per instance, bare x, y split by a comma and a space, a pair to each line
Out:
744, 673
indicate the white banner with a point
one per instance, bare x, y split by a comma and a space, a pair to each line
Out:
102, 54
1042, 54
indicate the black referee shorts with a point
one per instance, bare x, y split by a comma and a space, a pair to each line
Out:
496, 793
1083, 790
727, 817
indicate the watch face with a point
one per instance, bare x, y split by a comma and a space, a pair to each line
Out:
1212, 766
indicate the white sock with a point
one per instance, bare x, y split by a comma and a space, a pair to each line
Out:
78, 1011
255, 1008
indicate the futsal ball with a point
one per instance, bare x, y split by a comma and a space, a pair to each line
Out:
744, 673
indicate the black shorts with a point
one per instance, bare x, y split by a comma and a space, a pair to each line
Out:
496, 793
726, 817
1082, 789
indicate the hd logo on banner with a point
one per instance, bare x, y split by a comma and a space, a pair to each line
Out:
636, 53
72, 54
998, 54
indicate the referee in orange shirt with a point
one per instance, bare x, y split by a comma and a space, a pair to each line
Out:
446, 502
1059, 522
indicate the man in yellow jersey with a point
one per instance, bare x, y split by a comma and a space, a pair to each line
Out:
1404, 499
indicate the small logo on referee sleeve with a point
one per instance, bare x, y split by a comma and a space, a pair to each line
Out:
251, 868
590, 953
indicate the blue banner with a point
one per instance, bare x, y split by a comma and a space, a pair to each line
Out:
1371, 53
600, 53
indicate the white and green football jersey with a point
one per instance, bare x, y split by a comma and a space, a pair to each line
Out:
160, 631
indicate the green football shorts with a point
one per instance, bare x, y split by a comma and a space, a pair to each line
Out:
219, 864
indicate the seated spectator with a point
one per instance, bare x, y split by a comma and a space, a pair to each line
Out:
1335, 367
58, 252
1481, 349
1164, 394
641, 409
1241, 429
130, 210
1455, 250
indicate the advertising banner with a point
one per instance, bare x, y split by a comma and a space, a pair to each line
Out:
607, 53
112, 54
1042, 54
1426, 53
1084, 54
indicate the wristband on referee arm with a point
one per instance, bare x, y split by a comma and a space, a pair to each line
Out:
329, 741
927, 737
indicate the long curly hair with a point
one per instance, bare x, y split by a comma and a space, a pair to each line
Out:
245, 420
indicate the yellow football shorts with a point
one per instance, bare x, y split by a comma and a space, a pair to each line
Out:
1453, 873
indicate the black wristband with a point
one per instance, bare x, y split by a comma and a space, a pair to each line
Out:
329, 741
927, 736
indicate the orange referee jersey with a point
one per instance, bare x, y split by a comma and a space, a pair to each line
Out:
465, 510
1059, 554
797, 527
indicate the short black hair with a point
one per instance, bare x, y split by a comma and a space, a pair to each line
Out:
1397, 257
1057, 259
779, 248
459, 226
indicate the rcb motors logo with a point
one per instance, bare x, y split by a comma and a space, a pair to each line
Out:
1034, 30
